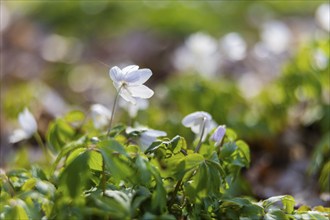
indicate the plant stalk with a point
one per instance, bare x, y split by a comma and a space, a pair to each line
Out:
201, 138
103, 177
113, 111
42, 145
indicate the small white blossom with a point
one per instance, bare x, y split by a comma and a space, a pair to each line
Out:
233, 46
28, 127
323, 16
277, 36
148, 136
199, 53
129, 82
200, 123
100, 116
132, 109
218, 134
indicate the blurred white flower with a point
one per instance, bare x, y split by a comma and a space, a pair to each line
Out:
323, 16
234, 46
28, 127
200, 53
132, 109
100, 116
250, 84
320, 59
128, 82
277, 36
218, 134
149, 136
200, 122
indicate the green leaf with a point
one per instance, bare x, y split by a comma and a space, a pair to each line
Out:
143, 173
116, 160
276, 215
80, 143
17, 209
230, 136
193, 160
141, 194
244, 151
110, 206
112, 146
75, 118
177, 143
45, 188
59, 134
227, 150
95, 161
37, 172
159, 195
75, 175
29, 184
287, 201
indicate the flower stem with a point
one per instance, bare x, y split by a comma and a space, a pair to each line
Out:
175, 192
103, 177
201, 138
113, 111
42, 145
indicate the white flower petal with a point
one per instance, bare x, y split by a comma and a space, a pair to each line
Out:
17, 136
149, 136
155, 133
100, 115
116, 74
129, 69
218, 134
140, 91
196, 129
127, 95
27, 122
195, 118
133, 109
138, 77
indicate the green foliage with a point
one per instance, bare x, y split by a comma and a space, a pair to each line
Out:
111, 177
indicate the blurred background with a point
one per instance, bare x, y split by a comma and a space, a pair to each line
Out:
259, 67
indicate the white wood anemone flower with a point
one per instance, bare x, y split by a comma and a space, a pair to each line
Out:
218, 134
129, 82
28, 127
100, 116
200, 122
147, 135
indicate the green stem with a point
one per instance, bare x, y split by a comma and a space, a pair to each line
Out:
113, 111
201, 138
103, 176
42, 145
175, 192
